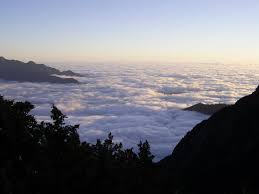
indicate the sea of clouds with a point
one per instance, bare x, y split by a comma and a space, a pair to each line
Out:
137, 102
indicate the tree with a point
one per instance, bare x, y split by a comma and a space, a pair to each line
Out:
144, 154
48, 157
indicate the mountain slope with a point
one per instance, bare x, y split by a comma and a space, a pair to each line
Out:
221, 153
14, 70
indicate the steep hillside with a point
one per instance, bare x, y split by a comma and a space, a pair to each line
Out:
221, 153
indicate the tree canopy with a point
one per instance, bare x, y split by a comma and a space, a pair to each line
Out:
48, 157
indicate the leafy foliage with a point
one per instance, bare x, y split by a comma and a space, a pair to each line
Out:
48, 157
145, 155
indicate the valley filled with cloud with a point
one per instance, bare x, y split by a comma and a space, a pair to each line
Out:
137, 102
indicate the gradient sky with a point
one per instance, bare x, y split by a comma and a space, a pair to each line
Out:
130, 31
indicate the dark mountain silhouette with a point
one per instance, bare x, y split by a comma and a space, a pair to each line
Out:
219, 154
48, 157
14, 70
207, 109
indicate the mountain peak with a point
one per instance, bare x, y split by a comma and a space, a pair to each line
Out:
31, 62
2, 58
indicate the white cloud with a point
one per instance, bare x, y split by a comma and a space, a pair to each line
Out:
137, 102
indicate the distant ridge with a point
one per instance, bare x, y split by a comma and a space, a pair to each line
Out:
207, 109
14, 70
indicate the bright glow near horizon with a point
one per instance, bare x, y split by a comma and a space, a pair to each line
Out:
130, 31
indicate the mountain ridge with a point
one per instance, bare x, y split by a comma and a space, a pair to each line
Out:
14, 70
207, 109
220, 152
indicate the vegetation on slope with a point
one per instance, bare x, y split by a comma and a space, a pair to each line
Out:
219, 156
48, 157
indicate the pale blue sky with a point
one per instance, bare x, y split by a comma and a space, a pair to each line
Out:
130, 31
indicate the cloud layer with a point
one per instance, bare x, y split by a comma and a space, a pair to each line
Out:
137, 102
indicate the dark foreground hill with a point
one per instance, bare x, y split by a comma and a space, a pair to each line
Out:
14, 70
207, 109
218, 156
221, 153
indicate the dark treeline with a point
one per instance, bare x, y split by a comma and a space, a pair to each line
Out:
48, 157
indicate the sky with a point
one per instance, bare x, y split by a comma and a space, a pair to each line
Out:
130, 31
